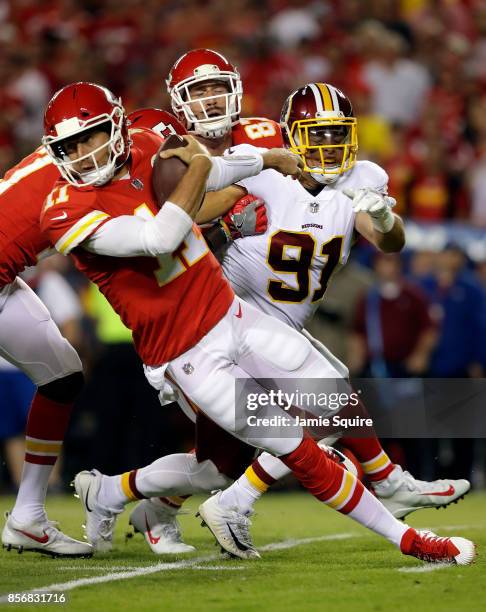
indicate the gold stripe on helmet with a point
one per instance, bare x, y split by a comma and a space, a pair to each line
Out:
326, 97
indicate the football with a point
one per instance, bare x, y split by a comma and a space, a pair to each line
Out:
167, 173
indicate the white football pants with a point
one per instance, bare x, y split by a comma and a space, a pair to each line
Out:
249, 344
29, 338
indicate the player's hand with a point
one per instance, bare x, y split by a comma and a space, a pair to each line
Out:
188, 152
283, 161
376, 204
247, 217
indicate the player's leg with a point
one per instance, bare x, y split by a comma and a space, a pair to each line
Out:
398, 490
267, 348
163, 486
30, 340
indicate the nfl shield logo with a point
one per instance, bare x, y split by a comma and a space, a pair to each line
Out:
314, 207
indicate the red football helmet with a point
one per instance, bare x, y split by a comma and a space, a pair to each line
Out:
75, 109
199, 66
157, 120
319, 117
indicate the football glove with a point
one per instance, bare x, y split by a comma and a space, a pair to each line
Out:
377, 205
247, 217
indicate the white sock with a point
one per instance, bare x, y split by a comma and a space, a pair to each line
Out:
179, 474
111, 494
241, 495
273, 466
371, 513
30, 502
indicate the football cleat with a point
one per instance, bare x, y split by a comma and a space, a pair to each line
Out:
100, 521
42, 537
160, 528
427, 546
230, 528
401, 493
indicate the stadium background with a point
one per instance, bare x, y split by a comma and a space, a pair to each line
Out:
416, 73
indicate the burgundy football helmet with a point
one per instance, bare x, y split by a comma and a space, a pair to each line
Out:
157, 120
75, 109
199, 66
319, 117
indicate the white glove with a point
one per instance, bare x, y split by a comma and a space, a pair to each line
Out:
376, 204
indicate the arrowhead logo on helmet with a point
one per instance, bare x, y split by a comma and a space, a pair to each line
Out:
74, 111
187, 79
318, 124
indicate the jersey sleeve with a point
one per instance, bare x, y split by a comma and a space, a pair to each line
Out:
69, 216
374, 176
259, 131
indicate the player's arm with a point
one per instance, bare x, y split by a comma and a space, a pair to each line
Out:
376, 221
217, 203
80, 224
240, 162
128, 236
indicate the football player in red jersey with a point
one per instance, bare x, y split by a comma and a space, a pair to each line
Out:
167, 287
206, 93
30, 340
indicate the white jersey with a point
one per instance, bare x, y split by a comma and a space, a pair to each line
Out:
285, 271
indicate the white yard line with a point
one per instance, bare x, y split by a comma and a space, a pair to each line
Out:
422, 569
194, 563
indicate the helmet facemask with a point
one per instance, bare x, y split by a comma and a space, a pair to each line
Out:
335, 138
73, 128
209, 125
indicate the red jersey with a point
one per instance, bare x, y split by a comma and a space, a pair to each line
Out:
169, 302
259, 132
23, 191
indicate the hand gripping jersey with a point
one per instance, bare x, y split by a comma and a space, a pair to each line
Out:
22, 193
285, 271
169, 302
257, 131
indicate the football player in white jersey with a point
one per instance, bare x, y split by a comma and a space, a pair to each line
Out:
284, 272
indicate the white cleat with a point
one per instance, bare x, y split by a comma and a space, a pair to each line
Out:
427, 546
230, 528
160, 528
42, 537
100, 521
401, 493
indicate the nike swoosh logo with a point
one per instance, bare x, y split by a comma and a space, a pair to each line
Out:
153, 539
239, 545
60, 217
86, 499
450, 491
42, 540
239, 314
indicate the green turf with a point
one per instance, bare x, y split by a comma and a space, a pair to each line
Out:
354, 573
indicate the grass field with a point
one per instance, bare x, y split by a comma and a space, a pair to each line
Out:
313, 559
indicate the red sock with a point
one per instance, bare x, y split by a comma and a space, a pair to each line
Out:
323, 477
374, 460
46, 426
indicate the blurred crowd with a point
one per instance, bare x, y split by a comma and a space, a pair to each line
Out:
415, 71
